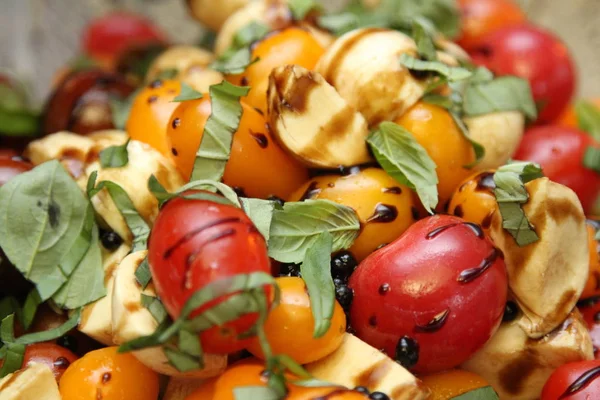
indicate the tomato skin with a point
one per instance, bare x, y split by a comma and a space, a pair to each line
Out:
560, 150
9, 168
474, 199
57, 358
536, 55
411, 288
195, 242
564, 376
569, 117
107, 37
480, 17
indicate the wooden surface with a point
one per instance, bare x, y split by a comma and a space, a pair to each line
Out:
38, 36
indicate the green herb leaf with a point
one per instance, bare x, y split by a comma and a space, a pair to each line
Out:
234, 61
229, 195
22, 123
484, 393
115, 156
182, 361
405, 160
215, 146
261, 214
121, 108
155, 306
448, 72
7, 329
317, 276
588, 118
9, 305
30, 307
591, 158
301, 8
249, 34
13, 359
169, 73
507, 93
425, 45
255, 392
297, 226
189, 343
143, 276
187, 93
511, 194
478, 148
53, 333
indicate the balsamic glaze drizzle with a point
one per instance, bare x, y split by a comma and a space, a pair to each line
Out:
435, 324
471, 274
188, 236
580, 383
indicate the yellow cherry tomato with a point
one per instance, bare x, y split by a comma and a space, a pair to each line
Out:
150, 114
385, 207
108, 375
435, 130
289, 327
592, 286
289, 46
257, 165
449, 384
474, 199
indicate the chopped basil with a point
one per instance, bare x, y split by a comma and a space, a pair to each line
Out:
115, 156
297, 226
405, 160
511, 194
230, 197
223, 122
249, 34
53, 333
301, 8
425, 44
450, 73
317, 276
261, 214
588, 118
187, 93
155, 307
238, 56
182, 361
591, 158
483, 393
10, 305
30, 307
142, 273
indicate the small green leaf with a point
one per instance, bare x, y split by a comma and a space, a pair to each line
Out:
296, 227
10, 305
405, 160
187, 93
591, 158
223, 122
261, 214
484, 393
301, 8
588, 118
439, 100
425, 45
142, 273
234, 61
255, 392
13, 359
7, 329
169, 73
478, 148
115, 156
155, 306
182, 361
53, 333
249, 34
317, 276
229, 196
448, 72
30, 307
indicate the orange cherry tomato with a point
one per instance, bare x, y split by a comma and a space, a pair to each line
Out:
290, 326
385, 207
484, 16
293, 45
449, 384
108, 375
436, 131
150, 114
569, 118
474, 199
257, 165
592, 286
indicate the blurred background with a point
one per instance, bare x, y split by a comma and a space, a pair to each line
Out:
37, 37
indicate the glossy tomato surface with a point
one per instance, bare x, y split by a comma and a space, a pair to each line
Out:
574, 381
433, 297
56, 357
11, 167
536, 55
560, 150
196, 242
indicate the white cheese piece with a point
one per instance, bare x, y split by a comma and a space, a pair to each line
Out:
36, 382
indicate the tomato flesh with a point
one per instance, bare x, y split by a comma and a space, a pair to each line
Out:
574, 381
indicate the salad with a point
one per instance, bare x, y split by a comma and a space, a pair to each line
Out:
394, 201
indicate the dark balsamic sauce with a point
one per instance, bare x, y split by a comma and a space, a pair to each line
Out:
435, 324
580, 383
311, 191
261, 139
384, 213
188, 236
393, 190
407, 352
469, 275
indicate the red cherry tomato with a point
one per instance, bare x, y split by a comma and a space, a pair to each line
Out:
56, 357
574, 381
107, 37
11, 167
433, 297
536, 55
479, 17
590, 309
559, 150
194, 243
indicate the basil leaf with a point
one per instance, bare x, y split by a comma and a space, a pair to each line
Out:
42, 213
588, 118
425, 45
478, 148
301, 8
22, 123
120, 108
13, 359
90, 187
255, 392
182, 361
296, 228
169, 73
115, 156
484, 393
405, 160
511, 194
249, 34
53, 333
187, 93
448, 72
160, 193
138, 227
261, 214
234, 62
591, 158
227, 311
142, 273
7, 329
189, 343
224, 120
30, 307
230, 197
9, 305
507, 93
317, 276
156, 308
439, 100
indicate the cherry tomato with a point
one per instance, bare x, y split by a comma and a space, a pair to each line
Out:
81, 103
590, 309
290, 326
108, 375
289, 46
434, 128
592, 286
536, 55
474, 200
385, 207
9, 168
195, 242
257, 166
433, 297
484, 16
569, 117
574, 381
56, 357
151, 112
560, 150
10, 154
135, 61
449, 384
107, 37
